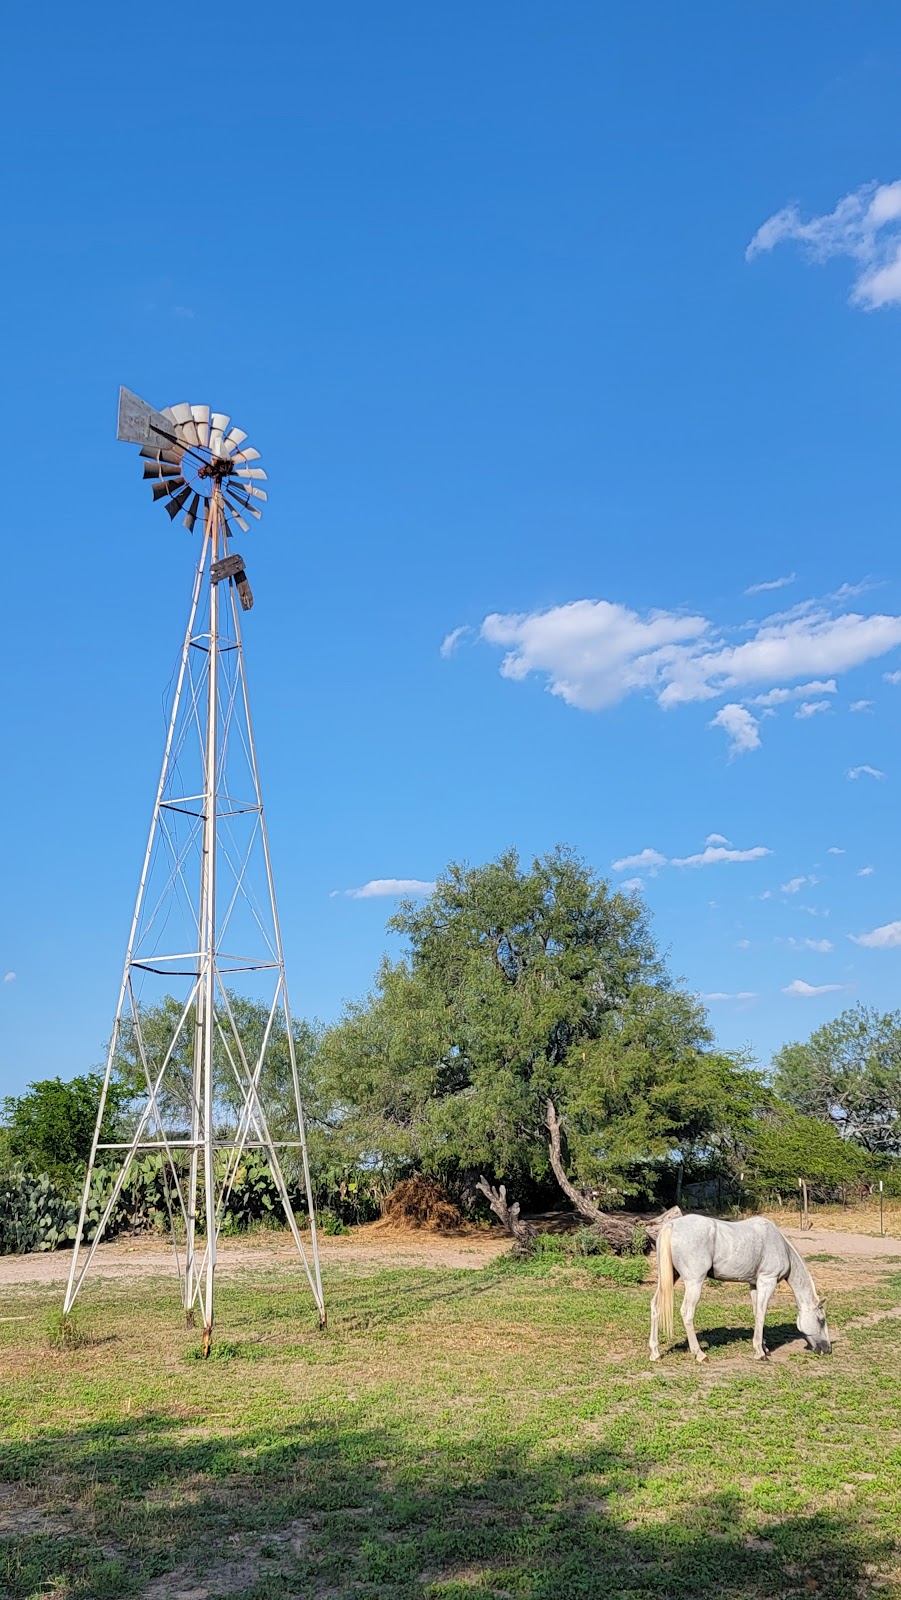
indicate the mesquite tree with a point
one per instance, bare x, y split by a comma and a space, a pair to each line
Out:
531, 1027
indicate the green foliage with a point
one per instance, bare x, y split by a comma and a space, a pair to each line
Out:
519, 984
34, 1214
590, 1242
64, 1330
848, 1073
619, 1269
49, 1129
786, 1145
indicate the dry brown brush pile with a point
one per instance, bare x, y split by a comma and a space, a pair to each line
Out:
419, 1202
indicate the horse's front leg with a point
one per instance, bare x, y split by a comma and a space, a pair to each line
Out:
689, 1305
760, 1299
753, 1291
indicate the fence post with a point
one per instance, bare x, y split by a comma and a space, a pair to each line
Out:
881, 1227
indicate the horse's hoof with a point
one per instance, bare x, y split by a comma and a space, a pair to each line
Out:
701, 1357
761, 1355
655, 1355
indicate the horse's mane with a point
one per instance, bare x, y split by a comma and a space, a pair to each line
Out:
806, 1276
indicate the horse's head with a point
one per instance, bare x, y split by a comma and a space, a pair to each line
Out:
812, 1323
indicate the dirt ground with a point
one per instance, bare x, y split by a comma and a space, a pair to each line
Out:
856, 1255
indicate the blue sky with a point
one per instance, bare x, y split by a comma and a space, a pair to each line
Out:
477, 282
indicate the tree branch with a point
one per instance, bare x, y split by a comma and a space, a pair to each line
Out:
617, 1231
523, 1233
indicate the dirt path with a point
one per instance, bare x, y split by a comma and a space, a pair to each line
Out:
370, 1246
378, 1247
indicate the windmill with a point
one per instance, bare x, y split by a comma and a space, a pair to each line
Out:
203, 1021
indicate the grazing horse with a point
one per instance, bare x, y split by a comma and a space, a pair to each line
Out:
753, 1252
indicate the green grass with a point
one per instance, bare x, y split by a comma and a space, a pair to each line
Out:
454, 1434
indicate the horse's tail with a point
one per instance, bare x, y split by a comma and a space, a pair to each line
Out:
665, 1280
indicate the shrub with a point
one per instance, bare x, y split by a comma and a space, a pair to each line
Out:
590, 1242
618, 1269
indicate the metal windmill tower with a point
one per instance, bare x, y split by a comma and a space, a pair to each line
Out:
205, 931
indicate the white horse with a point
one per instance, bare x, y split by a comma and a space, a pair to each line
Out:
753, 1252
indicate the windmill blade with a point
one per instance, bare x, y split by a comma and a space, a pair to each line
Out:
258, 494
248, 454
191, 513
181, 413
245, 594
244, 526
219, 420
168, 486
175, 456
250, 472
234, 438
161, 469
189, 432
178, 500
201, 416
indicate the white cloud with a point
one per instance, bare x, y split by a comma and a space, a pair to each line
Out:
835, 850
717, 838
386, 886
794, 884
821, 946
868, 772
865, 226
649, 860
715, 854
594, 653
632, 884
810, 708
742, 728
778, 697
885, 938
849, 591
743, 994
742, 944
891, 677
866, 872
451, 640
774, 583
809, 990
9, 977
861, 705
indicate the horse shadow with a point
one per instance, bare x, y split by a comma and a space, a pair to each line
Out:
776, 1334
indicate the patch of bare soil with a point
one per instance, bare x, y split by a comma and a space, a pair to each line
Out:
263, 1556
20, 1515
374, 1245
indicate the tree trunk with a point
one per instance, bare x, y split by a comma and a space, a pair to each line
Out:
523, 1232
618, 1231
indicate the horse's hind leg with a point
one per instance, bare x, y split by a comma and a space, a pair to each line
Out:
687, 1312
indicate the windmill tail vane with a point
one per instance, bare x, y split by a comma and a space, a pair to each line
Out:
203, 1031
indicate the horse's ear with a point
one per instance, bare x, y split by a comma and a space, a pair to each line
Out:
821, 1305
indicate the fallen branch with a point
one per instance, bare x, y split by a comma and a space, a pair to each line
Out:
618, 1231
523, 1233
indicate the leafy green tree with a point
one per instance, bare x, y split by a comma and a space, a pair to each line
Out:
49, 1129
525, 995
150, 1040
786, 1145
848, 1073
